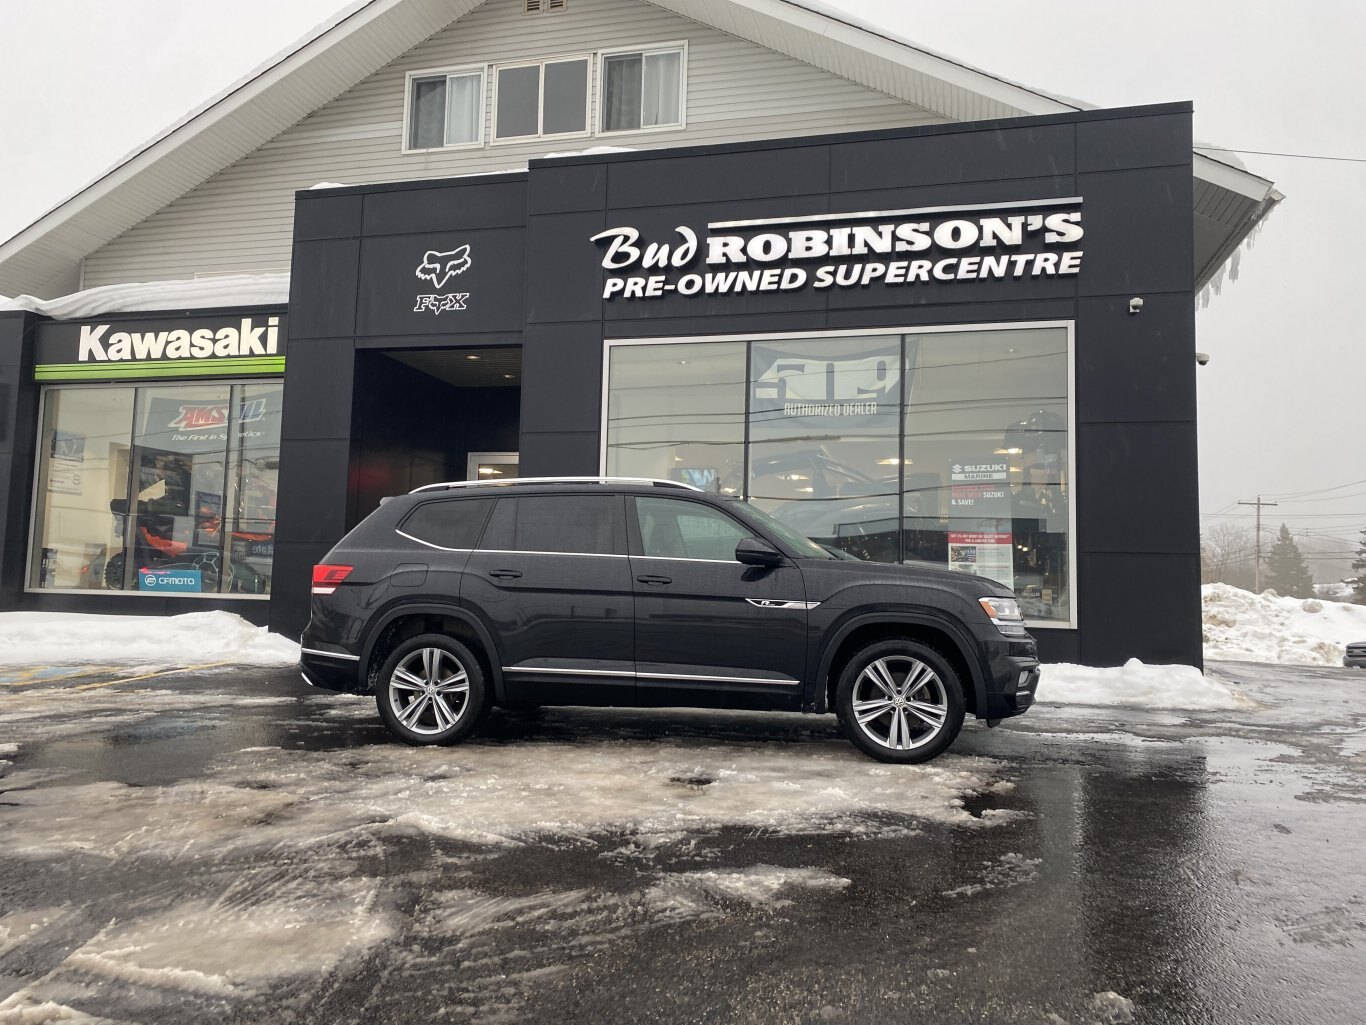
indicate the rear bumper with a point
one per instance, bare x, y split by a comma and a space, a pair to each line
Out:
331, 670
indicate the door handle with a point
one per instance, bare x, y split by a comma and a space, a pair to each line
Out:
651, 579
505, 574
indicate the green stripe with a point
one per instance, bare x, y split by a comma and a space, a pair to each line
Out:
159, 368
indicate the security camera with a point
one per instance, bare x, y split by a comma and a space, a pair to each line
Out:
1135, 304
1202, 358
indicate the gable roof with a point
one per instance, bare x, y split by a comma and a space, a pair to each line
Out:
369, 34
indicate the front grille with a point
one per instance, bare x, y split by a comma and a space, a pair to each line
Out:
1357, 650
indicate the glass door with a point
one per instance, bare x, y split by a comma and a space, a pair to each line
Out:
491, 466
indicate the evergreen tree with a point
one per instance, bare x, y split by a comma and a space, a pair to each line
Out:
1359, 584
1286, 572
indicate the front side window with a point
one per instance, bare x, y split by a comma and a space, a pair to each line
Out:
166, 489
671, 528
643, 89
445, 109
548, 98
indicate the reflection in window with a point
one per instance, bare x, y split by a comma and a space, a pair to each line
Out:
825, 436
167, 489
677, 412
948, 448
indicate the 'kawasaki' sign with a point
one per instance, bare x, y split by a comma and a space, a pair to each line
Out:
170, 347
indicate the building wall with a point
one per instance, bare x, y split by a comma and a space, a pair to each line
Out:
239, 220
538, 282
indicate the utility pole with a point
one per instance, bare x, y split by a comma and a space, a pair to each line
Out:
1258, 565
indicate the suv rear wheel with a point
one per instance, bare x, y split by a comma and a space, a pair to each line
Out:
431, 691
900, 701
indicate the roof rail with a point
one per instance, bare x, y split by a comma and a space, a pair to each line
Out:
654, 481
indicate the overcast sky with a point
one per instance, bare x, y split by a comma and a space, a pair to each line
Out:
1283, 401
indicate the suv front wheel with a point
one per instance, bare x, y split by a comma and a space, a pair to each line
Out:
900, 701
430, 690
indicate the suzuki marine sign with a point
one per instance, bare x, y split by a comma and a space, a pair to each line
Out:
226, 345
900, 248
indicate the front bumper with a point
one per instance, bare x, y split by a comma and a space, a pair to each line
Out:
1013, 677
1354, 661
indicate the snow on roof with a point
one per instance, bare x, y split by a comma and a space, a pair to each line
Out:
194, 294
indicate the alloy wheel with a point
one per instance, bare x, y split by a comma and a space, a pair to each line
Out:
429, 691
900, 703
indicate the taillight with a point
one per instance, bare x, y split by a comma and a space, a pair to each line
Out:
326, 578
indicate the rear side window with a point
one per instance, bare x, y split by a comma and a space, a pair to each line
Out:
573, 524
453, 523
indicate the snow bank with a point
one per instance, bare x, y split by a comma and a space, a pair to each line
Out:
61, 638
1244, 627
1137, 685
194, 294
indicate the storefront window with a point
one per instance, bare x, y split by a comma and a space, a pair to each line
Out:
166, 489
940, 447
677, 412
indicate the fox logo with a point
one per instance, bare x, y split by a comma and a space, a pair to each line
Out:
438, 268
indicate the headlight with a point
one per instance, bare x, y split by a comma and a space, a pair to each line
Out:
1004, 612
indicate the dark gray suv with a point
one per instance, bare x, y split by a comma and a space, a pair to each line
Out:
613, 591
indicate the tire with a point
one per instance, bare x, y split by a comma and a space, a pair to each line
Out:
881, 678
431, 690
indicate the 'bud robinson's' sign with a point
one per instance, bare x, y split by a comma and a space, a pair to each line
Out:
1031, 239
167, 347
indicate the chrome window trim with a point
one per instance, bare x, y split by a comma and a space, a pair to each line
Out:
429, 544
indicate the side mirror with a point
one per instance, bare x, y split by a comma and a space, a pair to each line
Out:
753, 552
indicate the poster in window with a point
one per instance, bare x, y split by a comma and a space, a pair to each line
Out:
66, 464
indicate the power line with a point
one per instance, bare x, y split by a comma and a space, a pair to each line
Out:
1270, 153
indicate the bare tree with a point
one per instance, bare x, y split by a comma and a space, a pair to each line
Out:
1227, 554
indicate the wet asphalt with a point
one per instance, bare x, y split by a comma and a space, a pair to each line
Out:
1124, 865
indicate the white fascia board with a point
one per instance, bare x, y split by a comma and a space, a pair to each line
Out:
1234, 179
238, 97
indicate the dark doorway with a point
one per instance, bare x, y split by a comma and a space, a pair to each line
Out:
418, 414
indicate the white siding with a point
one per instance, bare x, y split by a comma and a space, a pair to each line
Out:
240, 219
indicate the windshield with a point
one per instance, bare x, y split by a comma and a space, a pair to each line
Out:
799, 543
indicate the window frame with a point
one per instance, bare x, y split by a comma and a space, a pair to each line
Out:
136, 384
681, 47
772, 337
590, 87
453, 72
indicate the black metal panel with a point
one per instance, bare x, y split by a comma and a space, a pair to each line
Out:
1059, 645
1138, 489
564, 280
1136, 366
311, 505
986, 155
320, 370
292, 583
398, 271
561, 452
323, 216
1139, 231
720, 177
1128, 142
459, 206
1143, 606
563, 188
322, 289
562, 379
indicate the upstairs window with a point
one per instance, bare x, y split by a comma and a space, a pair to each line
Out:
545, 98
642, 89
445, 109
